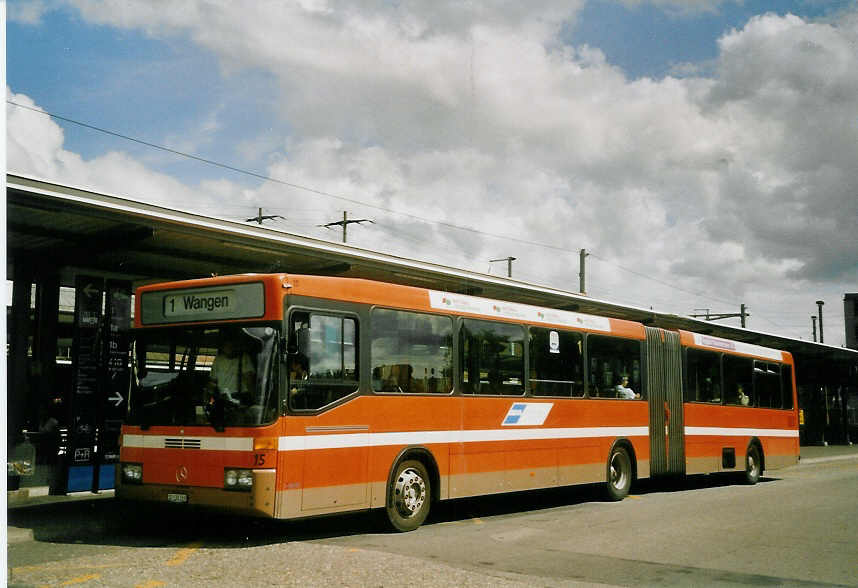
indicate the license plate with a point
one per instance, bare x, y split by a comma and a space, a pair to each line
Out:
178, 498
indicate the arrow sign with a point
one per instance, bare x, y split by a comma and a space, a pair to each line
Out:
90, 291
117, 399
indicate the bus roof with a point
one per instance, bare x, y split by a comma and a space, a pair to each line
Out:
709, 342
384, 294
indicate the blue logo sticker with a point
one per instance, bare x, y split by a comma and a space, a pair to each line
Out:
527, 413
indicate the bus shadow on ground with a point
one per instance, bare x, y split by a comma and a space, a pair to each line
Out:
111, 522
536, 500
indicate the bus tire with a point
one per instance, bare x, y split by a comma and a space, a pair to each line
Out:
619, 474
409, 496
753, 464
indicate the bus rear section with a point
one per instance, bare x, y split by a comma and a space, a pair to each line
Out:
740, 407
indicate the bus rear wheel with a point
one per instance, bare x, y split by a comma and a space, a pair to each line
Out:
753, 465
619, 474
408, 496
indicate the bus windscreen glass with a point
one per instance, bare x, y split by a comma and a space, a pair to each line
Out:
218, 376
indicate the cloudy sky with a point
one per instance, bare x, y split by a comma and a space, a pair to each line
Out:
705, 152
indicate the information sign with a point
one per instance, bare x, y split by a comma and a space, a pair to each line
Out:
115, 374
86, 354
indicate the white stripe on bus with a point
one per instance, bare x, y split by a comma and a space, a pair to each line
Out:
309, 442
344, 440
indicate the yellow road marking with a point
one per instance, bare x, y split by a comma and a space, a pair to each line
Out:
183, 554
633, 496
81, 579
151, 584
477, 521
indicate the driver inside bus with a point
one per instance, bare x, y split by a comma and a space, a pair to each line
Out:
297, 377
232, 372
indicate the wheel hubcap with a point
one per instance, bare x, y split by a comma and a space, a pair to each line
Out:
618, 472
409, 493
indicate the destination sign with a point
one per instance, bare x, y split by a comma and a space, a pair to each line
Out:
199, 303
236, 301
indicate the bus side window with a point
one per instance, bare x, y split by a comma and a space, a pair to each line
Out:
411, 352
767, 384
324, 367
703, 376
556, 363
738, 380
611, 360
492, 358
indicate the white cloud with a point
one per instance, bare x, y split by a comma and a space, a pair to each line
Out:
29, 13
738, 187
34, 146
790, 89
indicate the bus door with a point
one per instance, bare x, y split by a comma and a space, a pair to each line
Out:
664, 389
323, 368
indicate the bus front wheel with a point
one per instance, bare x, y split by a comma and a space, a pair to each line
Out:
619, 474
408, 496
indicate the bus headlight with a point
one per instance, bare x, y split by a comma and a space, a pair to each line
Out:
132, 473
237, 479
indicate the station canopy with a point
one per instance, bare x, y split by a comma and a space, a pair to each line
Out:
74, 230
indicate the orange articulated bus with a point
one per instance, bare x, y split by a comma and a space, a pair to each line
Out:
292, 396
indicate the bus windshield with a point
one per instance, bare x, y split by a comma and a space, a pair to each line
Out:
218, 376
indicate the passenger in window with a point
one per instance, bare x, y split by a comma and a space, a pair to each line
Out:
623, 391
743, 398
232, 372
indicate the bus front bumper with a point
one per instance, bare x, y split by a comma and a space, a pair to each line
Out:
258, 501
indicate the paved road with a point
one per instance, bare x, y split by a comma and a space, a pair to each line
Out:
796, 529
800, 527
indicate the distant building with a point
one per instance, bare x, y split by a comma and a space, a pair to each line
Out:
850, 311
